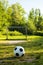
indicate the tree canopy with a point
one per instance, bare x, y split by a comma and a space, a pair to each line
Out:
14, 15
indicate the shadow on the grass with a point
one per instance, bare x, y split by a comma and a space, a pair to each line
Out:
8, 58
25, 57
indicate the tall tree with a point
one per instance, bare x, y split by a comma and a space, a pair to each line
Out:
38, 18
30, 24
17, 14
3, 15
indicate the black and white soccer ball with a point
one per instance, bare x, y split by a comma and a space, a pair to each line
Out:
19, 51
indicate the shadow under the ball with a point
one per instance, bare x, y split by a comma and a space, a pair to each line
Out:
11, 58
26, 56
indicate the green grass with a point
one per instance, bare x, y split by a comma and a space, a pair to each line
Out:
17, 37
22, 37
33, 49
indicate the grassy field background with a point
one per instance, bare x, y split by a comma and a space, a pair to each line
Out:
33, 55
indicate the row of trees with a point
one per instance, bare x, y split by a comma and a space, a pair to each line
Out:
14, 15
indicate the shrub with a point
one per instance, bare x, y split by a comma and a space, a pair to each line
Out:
39, 33
16, 33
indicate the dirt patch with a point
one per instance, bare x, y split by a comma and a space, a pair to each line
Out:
12, 42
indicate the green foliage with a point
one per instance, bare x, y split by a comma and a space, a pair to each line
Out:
15, 33
30, 23
17, 14
14, 15
31, 27
41, 24
35, 21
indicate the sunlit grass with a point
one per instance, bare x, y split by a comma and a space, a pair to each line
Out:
22, 37
33, 49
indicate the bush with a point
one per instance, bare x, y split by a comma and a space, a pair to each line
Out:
39, 33
14, 33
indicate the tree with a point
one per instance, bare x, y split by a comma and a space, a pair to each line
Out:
31, 14
5, 3
41, 25
38, 18
17, 15
30, 24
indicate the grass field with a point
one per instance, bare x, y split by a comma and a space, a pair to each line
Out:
33, 55
22, 37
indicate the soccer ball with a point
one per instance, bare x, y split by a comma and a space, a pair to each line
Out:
19, 51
